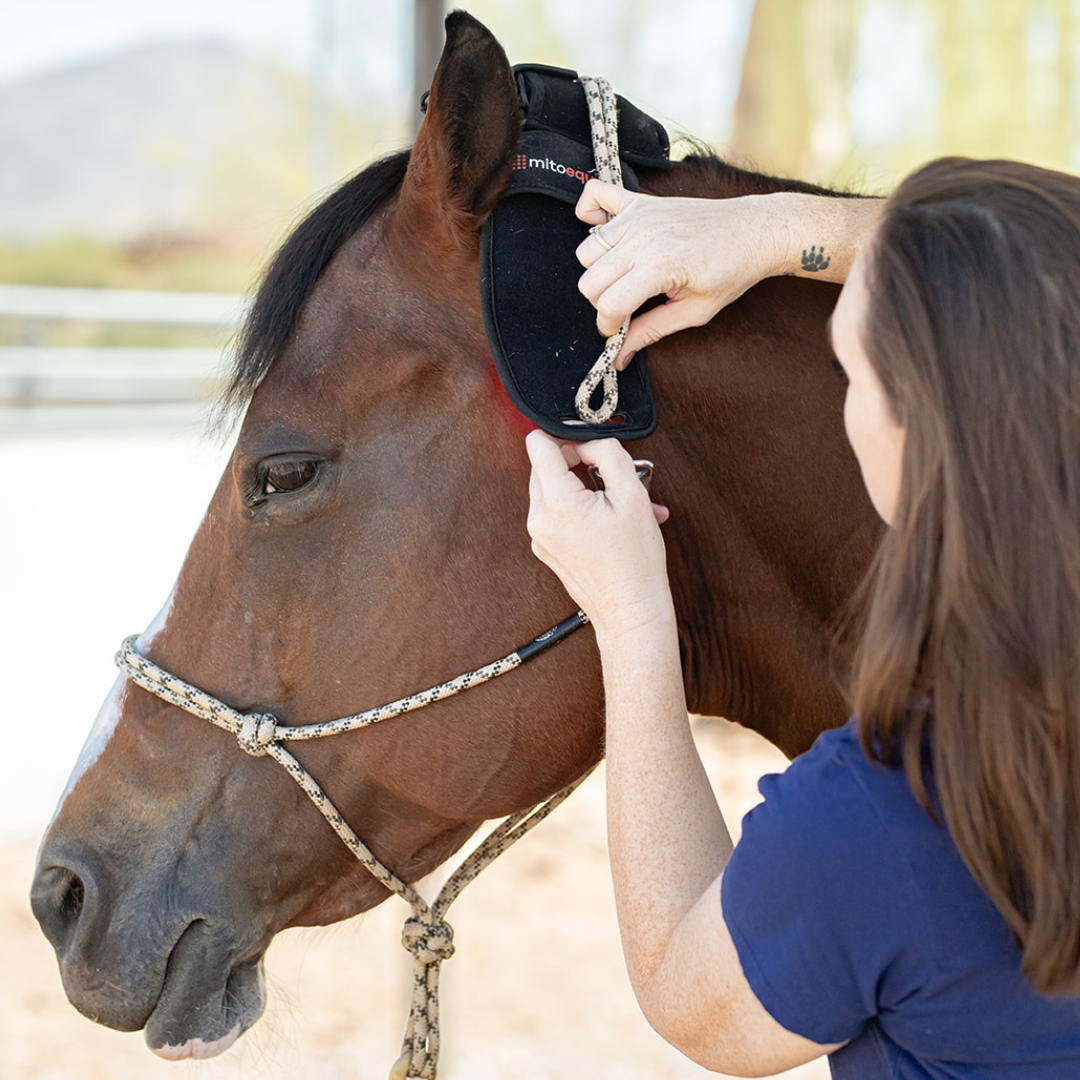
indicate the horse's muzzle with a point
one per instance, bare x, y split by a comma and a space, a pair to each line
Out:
206, 1003
182, 978
66, 900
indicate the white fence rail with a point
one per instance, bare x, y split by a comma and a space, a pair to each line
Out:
35, 375
122, 305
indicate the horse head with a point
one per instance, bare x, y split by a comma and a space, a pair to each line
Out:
367, 540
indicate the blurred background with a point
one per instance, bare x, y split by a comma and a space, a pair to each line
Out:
152, 155
167, 146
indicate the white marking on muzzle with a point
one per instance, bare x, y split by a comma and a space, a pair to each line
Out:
111, 708
196, 1049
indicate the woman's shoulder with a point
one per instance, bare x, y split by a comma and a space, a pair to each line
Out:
848, 902
841, 848
837, 839
819, 896
836, 787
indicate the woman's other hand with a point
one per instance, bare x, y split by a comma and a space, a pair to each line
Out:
605, 546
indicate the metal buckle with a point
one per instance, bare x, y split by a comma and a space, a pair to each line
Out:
642, 467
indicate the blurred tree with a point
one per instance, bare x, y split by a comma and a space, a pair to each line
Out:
791, 116
829, 29
428, 18
994, 78
1006, 69
772, 115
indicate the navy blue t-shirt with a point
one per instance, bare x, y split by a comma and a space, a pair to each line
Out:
856, 921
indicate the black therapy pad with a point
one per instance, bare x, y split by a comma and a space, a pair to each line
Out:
540, 329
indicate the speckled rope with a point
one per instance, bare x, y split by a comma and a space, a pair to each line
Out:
426, 935
604, 123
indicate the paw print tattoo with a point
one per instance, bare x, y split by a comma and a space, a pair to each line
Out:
815, 260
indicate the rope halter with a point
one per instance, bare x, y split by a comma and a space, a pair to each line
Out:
604, 125
426, 935
428, 941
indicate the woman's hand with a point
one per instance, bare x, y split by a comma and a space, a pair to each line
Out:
704, 253
605, 546
701, 253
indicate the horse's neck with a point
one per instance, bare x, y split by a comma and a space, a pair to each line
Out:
770, 528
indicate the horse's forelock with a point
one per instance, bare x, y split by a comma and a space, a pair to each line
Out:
296, 267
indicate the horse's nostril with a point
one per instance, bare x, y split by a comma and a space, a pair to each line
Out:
71, 899
58, 898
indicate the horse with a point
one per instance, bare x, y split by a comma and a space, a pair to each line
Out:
367, 539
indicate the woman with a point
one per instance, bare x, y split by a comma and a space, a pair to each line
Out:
907, 897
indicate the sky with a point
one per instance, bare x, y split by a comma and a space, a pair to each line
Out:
47, 34
679, 58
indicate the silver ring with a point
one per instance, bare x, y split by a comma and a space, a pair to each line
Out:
595, 230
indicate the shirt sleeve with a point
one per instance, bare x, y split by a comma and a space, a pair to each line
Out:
816, 904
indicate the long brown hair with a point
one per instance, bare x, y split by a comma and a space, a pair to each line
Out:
970, 639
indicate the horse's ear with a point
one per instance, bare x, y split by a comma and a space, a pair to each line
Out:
461, 159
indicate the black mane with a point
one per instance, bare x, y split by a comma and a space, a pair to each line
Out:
746, 179
296, 267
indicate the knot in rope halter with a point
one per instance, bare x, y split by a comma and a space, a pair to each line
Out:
429, 942
257, 732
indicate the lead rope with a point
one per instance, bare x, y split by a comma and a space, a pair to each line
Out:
604, 125
426, 935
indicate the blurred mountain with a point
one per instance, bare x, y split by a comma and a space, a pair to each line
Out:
164, 139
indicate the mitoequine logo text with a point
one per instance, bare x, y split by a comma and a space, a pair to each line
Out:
551, 165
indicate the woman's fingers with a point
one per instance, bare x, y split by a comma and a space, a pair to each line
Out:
605, 547
617, 294
601, 274
552, 462
600, 201
617, 286
552, 477
614, 464
699, 254
595, 246
603, 239
658, 322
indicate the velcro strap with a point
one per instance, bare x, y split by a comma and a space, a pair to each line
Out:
552, 100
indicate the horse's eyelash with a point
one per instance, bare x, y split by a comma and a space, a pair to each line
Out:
256, 490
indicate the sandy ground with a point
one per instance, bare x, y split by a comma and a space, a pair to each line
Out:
97, 524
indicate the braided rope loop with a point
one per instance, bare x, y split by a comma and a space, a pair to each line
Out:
604, 126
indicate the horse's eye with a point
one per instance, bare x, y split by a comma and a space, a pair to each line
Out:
287, 475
